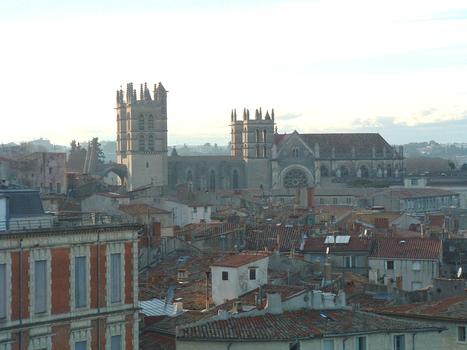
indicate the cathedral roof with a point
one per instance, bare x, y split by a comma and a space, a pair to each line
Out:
343, 143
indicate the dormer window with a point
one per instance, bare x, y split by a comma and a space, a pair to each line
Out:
252, 271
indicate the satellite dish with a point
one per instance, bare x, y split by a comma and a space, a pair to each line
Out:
459, 272
327, 250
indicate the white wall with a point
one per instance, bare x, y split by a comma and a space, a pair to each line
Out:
239, 281
184, 214
380, 341
3, 212
429, 269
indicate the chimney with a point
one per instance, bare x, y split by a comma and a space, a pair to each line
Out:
178, 307
317, 266
273, 303
329, 302
237, 307
341, 299
223, 315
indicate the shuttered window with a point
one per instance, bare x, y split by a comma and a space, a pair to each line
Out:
3, 291
116, 277
80, 345
40, 283
116, 342
80, 282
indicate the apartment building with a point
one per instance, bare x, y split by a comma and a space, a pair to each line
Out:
69, 289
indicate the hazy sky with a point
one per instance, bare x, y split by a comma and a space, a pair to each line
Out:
397, 67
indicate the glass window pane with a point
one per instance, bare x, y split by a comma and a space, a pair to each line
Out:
3, 289
80, 281
40, 282
328, 345
80, 345
116, 342
115, 277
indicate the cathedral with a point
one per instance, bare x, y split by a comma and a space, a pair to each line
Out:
259, 157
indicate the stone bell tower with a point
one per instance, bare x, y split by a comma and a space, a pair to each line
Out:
142, 135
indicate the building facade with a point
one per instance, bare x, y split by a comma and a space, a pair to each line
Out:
260, 157
142, 135
71, 289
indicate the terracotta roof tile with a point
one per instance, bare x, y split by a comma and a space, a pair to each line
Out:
238, 260
141, 209
411, 249
274, 237
294, 325
316, 244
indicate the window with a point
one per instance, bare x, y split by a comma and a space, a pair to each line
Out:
258, 136
115, 277
361, 343
141, 142
349, 262
3, 291
328, 344
80, 345
51, 187
321, 201
399, 342
195, 210
390, 265
116, 342
252, 274
416, 285
225, 275
294, 345
50, 171
40, 283
295, 152
59, 187
334, 201
349, 200
151, 142
141, 122
416, 266
80, 282
461, 334
151, 122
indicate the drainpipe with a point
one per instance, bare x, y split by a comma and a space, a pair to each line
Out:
20, 292
97, 292
413, 341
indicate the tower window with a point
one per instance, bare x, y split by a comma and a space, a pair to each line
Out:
264, 135
151, 122
258, 136
141, 122
151, 142
141, 142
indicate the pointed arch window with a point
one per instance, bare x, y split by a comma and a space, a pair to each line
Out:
265, 151
258, 151
141, 143
141, 122
151, 142
151, 122
128, 142
258, 135
189, 176
264, 135
295, 152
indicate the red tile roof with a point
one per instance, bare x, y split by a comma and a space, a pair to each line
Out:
238, 260
405, 193
410, 249
275, 237
141, 209
449, 309
292, 325
316, 244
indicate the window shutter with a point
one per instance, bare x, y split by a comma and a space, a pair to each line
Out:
3, 290
116, 342
115, 277
80, 345
40, 280
80, 282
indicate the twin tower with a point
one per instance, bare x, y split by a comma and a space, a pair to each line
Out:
142, 138
142, 135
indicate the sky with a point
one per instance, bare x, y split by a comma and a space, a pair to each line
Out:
394, 67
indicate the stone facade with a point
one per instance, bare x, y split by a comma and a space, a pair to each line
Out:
142, 135
260, 157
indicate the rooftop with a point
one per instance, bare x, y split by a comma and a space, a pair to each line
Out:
141, 209
292, 325
449, 309
410, 249
405, 193
238, 260
318, 244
